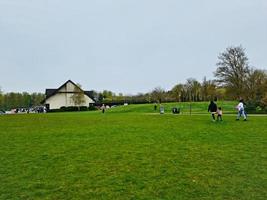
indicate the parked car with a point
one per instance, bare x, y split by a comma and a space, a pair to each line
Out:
21, 110
40, 109
2, 112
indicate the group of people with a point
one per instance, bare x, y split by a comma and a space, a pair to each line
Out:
213, 109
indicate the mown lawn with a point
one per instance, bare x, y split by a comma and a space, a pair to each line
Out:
185, 107
132, 156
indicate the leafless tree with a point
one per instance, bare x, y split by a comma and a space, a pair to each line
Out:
78, 96
233, 71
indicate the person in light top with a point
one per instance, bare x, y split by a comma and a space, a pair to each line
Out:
241, 110
103, 108
219, 114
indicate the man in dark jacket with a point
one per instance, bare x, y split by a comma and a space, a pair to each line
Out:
212, 109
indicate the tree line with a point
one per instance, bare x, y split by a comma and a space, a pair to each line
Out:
13, 100
233, 79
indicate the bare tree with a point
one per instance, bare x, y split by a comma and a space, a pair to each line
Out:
158, 94
256, 84
233, 71
78, 96
193, 89
264, 102
177, 92
208, 90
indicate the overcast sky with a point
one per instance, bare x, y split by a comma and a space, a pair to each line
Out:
126, 46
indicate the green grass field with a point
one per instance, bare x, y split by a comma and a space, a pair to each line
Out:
131, 153
196, 107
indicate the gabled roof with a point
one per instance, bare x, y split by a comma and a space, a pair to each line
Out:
52, 92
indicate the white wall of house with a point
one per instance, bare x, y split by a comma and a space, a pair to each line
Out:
69, 87
63, 98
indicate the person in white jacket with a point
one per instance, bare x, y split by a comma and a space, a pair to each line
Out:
241, 110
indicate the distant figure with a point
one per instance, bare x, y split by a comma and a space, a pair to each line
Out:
219, 114
161, 109
155, 107
103, 108
212, 109
175, 110
241, 110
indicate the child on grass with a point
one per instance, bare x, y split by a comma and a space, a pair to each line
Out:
219, 114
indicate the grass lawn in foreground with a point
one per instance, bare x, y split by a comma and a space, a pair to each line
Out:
132, 156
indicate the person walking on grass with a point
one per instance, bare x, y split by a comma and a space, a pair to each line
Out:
219, 114
212, 109
241, 110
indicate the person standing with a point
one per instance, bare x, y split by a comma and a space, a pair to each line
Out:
212, 109
103, 108
155, 107
161, 109
241, 110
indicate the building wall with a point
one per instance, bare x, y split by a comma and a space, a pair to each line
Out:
63, 98
69, 87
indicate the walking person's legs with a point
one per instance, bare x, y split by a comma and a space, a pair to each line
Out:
244, 115
213, 116
239, 114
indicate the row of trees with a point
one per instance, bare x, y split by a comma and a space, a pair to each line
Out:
192, 90
19, 100
234, 79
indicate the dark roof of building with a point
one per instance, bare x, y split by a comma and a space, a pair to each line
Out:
51, 92
90, 94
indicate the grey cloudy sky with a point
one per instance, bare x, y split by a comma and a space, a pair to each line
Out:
125, 46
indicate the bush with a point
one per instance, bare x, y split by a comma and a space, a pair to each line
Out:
54, 110
73, 109
251, 107
63, 108
255, 107
92, 108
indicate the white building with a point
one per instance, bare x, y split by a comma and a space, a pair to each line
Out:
62, 97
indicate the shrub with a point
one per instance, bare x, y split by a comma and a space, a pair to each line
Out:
73, 109
54, 110
83, 108
255, 107
92, 108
